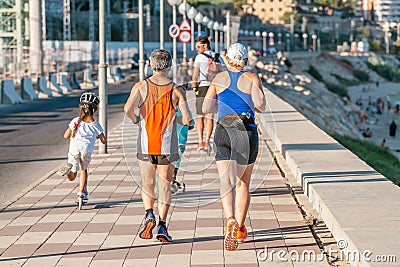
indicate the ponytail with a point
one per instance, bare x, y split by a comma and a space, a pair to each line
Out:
83, 113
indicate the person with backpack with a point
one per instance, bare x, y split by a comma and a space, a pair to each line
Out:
206, 65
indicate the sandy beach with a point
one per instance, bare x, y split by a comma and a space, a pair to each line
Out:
388, 92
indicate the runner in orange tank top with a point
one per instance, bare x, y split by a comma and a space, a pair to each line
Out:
152, 104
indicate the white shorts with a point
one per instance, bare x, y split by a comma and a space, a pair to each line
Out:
79, 159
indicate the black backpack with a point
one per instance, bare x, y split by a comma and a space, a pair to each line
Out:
214, 66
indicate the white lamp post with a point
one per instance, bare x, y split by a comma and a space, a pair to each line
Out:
206, 20
174, 3
257, 34
271, 41
296, 35
162, 24
264, 35
191, 15
287, 41
228, 29
279, 34
199, 20
210, 26
305, 35
183, 9
314, 39
216, 28
221, 36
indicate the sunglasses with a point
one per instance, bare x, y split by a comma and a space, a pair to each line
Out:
200, 45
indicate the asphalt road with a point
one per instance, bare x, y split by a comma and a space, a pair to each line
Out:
31, 135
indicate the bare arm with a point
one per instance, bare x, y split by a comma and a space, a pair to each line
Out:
257, 94
67, 133
183, 105
133, 101
195, 77
210, 100
102, 138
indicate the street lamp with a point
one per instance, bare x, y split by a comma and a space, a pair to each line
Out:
388, 36
174, 3
206, 20
191, 15
183, 9
296, 35
199, 20
216, 28
271, 41
210, 26
225, 29
287, 41
221, 36
161, 24
228, 29
314, 38
305, 35
264, 35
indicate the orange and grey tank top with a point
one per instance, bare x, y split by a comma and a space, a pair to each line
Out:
157, 127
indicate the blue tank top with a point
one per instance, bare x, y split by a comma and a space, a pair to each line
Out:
232, 100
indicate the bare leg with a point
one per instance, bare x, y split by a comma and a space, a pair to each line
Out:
165, 173
147, 173
242, 192
83, 180
200, 128
227, 174
209, 126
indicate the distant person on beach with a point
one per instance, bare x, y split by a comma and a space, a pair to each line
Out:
392, 129
367, 133
383, 143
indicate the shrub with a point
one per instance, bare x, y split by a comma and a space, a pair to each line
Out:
344, 81
347, 62
337, 89
315, 73
384, 70
361, 75
375, 156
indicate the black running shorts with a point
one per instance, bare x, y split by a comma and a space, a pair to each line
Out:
158, 159
200, 94
225, 149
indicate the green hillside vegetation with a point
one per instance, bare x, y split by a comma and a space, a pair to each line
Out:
375, 156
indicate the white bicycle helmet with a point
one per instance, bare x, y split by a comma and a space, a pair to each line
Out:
89, 99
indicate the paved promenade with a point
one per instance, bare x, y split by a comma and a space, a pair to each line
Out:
43, 226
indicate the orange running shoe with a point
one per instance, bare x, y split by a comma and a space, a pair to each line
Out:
241, 233
230, 241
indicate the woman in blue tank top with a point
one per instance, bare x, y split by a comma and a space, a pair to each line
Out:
235, 94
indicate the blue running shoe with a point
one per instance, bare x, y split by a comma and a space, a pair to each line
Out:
162, 234
146, 230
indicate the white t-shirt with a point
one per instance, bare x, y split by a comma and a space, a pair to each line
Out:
85, 136
201, 62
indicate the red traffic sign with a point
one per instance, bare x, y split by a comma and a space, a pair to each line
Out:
173, 30
185, 25
185, 37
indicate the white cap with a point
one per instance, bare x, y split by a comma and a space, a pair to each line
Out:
237, 49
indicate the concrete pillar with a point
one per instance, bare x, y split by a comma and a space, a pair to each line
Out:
35, 29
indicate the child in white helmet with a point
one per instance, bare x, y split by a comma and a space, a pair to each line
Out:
82, 132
